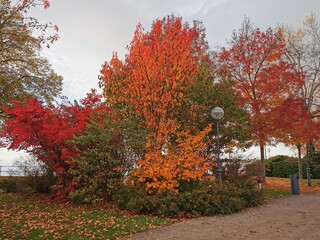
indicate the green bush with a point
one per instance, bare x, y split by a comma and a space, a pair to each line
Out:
104, 156
31, 176
284, 169
284, 166
9, 184
208, 198
274, 161
314, 163
27, 184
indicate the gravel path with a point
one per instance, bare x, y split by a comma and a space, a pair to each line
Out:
292, 217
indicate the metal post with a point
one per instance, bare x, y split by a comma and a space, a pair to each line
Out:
308, 175
219, 170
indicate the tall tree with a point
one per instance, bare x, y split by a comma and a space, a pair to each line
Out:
23, 72
303, 52
153, 81
263, 80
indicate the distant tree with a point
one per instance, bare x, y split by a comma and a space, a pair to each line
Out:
303, 52
295, 126
263, 80
23, 72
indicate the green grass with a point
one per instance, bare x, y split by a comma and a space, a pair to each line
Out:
314, 182
23, 217
275, 193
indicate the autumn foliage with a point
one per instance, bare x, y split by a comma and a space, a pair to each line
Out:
152, 81
284, 185
44, 132
263, 79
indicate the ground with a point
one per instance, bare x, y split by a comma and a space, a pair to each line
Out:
291, 217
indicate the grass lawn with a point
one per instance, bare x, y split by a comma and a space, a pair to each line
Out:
31, 217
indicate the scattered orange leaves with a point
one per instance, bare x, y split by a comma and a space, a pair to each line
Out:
284, 184
38, 217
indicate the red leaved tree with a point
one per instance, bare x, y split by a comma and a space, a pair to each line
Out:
44, 132
295, 126
263, 80
152, 81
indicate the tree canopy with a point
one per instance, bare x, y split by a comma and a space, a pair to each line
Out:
263, 79
24, 72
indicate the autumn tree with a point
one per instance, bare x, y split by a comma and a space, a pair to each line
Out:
263, 79
23, 72
303, 52
152, 83
294, 125
44, 132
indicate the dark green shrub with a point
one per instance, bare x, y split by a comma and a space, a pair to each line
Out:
284, 169
9, 184
208, 198
105, 154
314, 162
188, 185
32, 176
274, 160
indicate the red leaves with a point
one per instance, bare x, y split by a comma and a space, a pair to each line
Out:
262, 79
46, 4
45, 131
294, 123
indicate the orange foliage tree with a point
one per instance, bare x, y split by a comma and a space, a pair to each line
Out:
263, 80
151, 83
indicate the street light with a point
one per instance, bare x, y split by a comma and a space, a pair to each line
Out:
217, 114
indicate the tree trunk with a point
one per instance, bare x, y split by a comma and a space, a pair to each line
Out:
263, 164
310, 147
300, 161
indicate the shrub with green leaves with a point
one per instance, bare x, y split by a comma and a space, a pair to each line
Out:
106, 152
30, 176
207, 198
314, 163
9, 184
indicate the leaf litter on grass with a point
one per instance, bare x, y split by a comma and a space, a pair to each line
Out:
31, 217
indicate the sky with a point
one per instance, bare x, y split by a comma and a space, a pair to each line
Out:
91, 31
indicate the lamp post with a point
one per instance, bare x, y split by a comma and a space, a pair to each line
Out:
217, 114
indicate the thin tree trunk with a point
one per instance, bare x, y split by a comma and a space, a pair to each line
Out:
310, 147
300, 161
263, 164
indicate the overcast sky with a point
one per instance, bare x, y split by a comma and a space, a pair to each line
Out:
90, 31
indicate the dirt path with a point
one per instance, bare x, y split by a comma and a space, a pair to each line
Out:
292, 217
